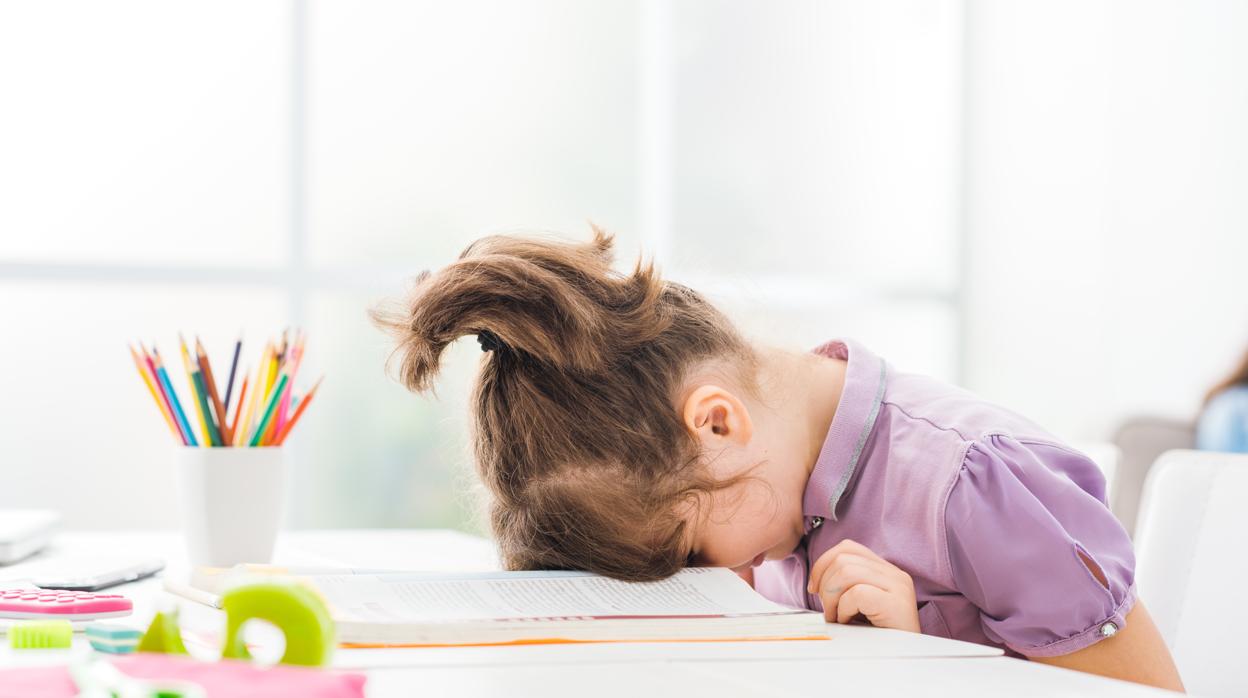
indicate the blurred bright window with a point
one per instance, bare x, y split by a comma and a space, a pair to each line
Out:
250, 165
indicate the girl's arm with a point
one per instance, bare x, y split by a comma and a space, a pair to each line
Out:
1136, 653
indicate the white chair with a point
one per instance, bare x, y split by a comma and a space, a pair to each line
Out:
1141, 441
1192, 565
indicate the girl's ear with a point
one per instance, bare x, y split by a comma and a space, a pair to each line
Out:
717, 417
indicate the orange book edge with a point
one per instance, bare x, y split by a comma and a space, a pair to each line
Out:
566, 641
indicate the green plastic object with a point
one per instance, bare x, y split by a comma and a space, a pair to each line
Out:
41, 635
296, 610
163, 635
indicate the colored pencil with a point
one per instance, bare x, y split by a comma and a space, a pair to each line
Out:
271, 430
283, 351
164, 395
288, 363
257, 388
141, 366
238, 411
269, 409
173, 397
296, 360
303, 405
205, 368
261, 411
270, 375
201, 392
229, 382
201, 404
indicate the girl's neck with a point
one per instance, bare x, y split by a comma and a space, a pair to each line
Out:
810, 387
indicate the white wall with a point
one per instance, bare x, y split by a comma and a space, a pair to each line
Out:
1107, 217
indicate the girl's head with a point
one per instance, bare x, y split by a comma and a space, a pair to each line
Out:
616, 421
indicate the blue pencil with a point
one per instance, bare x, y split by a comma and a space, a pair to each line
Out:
173, 397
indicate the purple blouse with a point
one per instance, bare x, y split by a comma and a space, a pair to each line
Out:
1000, 525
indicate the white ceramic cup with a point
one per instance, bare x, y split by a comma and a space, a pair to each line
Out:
231, 501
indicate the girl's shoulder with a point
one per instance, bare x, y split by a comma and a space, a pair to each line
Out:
957, 410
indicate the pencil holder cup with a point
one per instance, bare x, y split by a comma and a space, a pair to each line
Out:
231, 502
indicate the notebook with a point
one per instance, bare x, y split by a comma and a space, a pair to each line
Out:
490, 608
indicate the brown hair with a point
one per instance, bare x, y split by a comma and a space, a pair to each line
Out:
1238, 377
576, 432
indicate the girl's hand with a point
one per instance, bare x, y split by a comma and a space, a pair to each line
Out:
850, 579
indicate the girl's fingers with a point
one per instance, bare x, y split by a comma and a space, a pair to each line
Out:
846, 546
847, 574
866, 599
878, 572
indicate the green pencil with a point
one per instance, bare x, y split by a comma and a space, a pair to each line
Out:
201, 393
274, 398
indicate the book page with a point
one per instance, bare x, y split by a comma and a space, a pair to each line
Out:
693, 592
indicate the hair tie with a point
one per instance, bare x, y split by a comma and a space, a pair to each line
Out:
488, 341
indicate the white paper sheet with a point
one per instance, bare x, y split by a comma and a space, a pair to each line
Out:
390, 598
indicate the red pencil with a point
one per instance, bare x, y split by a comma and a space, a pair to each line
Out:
303, 405
151, 365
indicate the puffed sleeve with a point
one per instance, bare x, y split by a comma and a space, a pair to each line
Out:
1032, 544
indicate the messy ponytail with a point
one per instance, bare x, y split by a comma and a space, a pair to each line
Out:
576, 431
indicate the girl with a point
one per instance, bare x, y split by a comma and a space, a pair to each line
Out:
622, 426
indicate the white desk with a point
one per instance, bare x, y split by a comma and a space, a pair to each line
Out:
857, 660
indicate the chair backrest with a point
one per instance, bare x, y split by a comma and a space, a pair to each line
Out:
1192, 562
1140, 441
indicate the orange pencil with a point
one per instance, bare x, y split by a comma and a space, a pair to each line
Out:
242, 400
206, 367
303, 405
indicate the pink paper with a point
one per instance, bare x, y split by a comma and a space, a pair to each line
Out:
223, 679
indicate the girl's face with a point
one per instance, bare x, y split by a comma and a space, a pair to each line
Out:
774, 445
744, 524
759, 517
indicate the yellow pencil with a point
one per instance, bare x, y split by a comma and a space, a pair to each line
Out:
186, 361
240, 436
151, 388
271, 376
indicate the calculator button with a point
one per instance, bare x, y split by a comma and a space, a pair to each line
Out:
64, 600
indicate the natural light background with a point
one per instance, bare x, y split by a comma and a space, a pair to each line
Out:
1040, 201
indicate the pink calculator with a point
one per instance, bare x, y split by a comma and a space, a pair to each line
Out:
65, 605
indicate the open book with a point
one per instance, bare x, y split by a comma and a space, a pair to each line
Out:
696, 604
